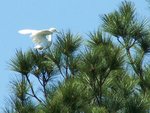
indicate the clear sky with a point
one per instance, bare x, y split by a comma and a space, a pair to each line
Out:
81, 16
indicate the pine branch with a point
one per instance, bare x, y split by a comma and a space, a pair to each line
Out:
44, 86
120, 41
32, 90
67, 63
61, 72
134, 68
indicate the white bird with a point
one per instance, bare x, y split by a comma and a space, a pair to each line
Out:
41, 38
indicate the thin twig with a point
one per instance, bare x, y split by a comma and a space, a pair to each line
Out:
67, 68
134, 67
40, 81
107, 73
61, 72
132, 44
44, 86
34, 95
120, 41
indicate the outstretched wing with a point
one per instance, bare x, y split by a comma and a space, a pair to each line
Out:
40, 36
42, 33
27, 31
39, 39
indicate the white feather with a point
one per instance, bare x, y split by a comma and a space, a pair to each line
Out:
27, 31
42, 38
38, 47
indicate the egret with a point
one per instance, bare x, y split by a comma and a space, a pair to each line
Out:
41, 38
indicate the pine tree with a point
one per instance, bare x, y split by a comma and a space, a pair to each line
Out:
107, 74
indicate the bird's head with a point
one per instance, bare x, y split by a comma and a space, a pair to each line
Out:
53, 30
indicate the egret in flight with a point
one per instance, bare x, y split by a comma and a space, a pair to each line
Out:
41, 38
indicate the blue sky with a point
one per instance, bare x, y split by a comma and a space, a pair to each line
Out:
81, 16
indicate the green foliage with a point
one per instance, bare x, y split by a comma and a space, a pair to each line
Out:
105, 77
145, 44
20, 102
99, 38
124, 24
99, 110
137, 103
70, 97
22, 63
68, 43
119, 22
